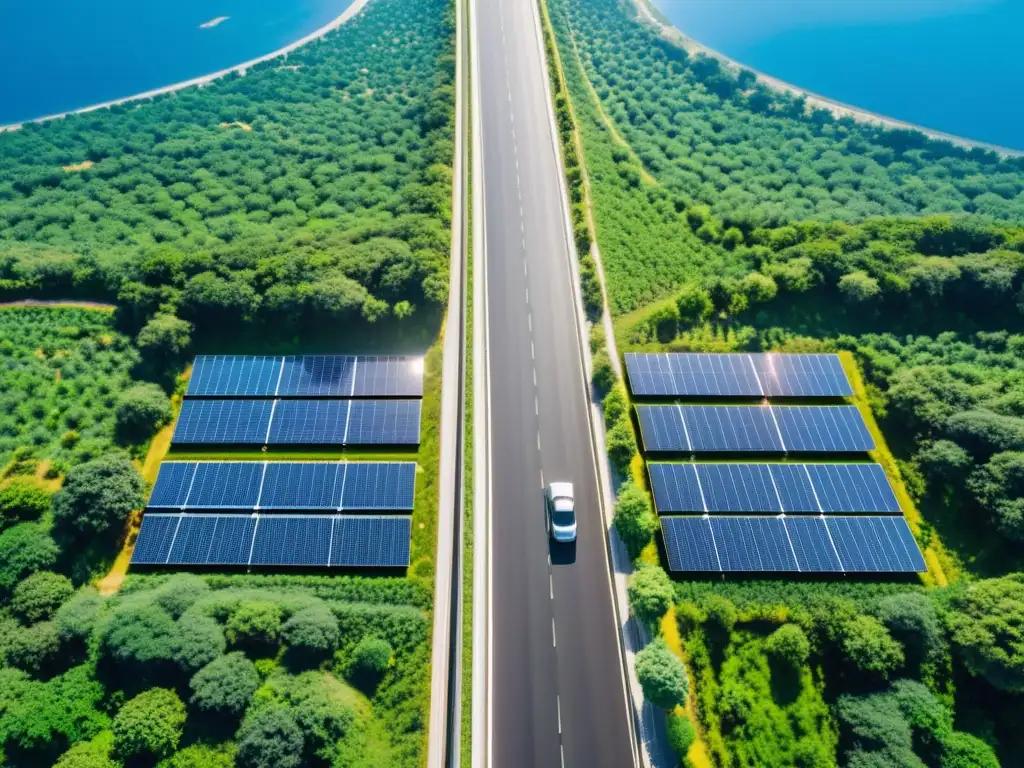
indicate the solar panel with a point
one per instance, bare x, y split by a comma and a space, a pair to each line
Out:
771, 488
811, 545
800, 375
818, 544
753, 544
309, 422
828, 429
317, 376
662, 428
301, 485
389, 377
213, 422
371, 541
234, 376
736, 375
379, 485
292, 540
696, 375
875, 545
384, 422
154, 540
172, 484
853, 488
225, 485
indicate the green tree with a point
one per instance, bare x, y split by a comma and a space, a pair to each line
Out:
759, 288
720, 612
998, 487
620, 445
911, 618
311, 634
98, 496
634, 519
681, 734
202, 756
255, 626
859, 287
40, 595
150, 725
944, 461
22, 499
614, 405
694, 304
197, 641
372, 657
270, 738
868, 646
94, 753
141, 411
962, 750
986, 625
603, 374
650, 594
662, 676
35, 649
163, 341
77, 618
24, 549
789, 645
225, 685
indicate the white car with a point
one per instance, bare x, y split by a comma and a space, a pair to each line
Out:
560, 512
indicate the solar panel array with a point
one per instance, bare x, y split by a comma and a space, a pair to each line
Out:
821, 544
285, 485
736, 375
753, 429
298, 422
260, 376
323, 541
772, 488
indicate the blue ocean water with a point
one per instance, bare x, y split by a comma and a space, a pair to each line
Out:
58, 55
950, 65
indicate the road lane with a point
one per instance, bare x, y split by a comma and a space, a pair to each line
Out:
557, 690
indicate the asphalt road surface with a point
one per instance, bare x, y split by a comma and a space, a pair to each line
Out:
557, 684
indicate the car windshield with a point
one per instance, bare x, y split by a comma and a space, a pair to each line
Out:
563, 518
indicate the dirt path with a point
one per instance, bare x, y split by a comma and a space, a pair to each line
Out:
57, 304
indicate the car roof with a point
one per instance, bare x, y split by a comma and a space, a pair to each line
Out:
560, 489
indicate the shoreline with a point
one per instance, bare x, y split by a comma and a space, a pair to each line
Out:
650, 14
348, 13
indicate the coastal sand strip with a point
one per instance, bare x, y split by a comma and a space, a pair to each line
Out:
348, 13
838, 109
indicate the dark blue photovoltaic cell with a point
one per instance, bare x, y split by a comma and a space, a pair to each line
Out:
389, 377
737, 429
212, 422
309, 422
232, 540
292, 540
371, 541
226, 485
794, 488
829, 428
853, 488
662, 429
811, 545
689, 544
191, 545
317, 376
154, 539
172, 484
875, 545
301, 485
379, 485
738, 488
234, 376
675, 488
753, 544
689, 374
789, 375
384, 422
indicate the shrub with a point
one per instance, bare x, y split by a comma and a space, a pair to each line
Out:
620, 446
255, 626
40, 595
76, 618
962, 750
694, 304
24, 549
789, 645
179, 593
720, 612
150, 725
98, 496
662, 675
270, 738
225, 685
35, 648
634, 519
311, 634
650, 594
664, 321
141, 411
913, 621
868, 646
681, 733
614, 405
197, 641
21, 499
372, 655
202, 756
604, 374
986, 624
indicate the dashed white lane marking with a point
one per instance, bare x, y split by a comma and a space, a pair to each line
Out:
536, 405
528, 302
551, 584
535, 384
532, 355
529, 322
538, 441
554, 639
561, 751
558, 702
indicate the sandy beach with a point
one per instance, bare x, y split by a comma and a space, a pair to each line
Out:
652, 16
348, 13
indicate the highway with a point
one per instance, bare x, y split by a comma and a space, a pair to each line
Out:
555, 687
